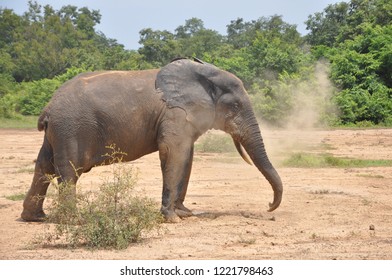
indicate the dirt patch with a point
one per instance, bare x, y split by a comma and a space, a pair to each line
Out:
330, 213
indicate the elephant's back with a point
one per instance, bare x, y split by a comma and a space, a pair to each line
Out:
105, 84
103, 107
100, 92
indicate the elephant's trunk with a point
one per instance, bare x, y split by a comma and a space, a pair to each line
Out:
252, 141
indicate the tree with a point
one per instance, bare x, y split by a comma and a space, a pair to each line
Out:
357, 37
240, 34
43, 43
342, 21
42, 48
159, 47
203, 41
326, 26
192, 39
86, 21
270, 47
34, 13
361, 68
191, 27
9, 23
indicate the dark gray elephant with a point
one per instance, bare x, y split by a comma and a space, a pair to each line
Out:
142, 112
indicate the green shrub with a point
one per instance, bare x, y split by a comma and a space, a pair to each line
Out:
7, 106
359, 105
215, 143
16, 197
33, 96
29, 98
305, 160
112, 218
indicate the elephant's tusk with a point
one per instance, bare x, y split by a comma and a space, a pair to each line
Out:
242, 152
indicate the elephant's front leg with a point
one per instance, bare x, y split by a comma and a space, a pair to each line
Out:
180, 209
176, 164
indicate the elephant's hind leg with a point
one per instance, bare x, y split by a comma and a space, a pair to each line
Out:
68, 169
33, 203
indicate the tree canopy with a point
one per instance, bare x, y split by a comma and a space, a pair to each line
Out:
44, 47
356, 38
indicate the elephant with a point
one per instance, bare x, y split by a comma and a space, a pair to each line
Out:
141, 112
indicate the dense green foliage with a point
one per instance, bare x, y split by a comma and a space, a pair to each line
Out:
42, 48
356, 38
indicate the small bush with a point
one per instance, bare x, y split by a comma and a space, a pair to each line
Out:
112, 218
215, 143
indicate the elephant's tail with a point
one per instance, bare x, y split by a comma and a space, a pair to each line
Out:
43, 122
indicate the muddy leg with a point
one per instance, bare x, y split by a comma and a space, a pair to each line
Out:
175, 164
67, 176
180, 209
44, 168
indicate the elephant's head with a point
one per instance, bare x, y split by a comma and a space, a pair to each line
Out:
213, 98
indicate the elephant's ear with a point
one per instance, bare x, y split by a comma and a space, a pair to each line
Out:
185, 84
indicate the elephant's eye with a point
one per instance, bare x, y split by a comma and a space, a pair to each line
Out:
236, 106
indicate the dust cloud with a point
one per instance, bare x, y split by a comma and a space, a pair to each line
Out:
312, 110
312, 105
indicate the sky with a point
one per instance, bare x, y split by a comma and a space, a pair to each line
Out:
123, 19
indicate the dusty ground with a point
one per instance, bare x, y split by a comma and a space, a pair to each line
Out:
325, 214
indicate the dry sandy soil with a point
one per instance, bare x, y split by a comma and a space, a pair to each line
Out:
327, 213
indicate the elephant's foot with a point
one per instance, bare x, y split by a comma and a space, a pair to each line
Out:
172, 218
33, 216
182, 211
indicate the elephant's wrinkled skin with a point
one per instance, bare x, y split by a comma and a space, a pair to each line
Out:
142, 112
